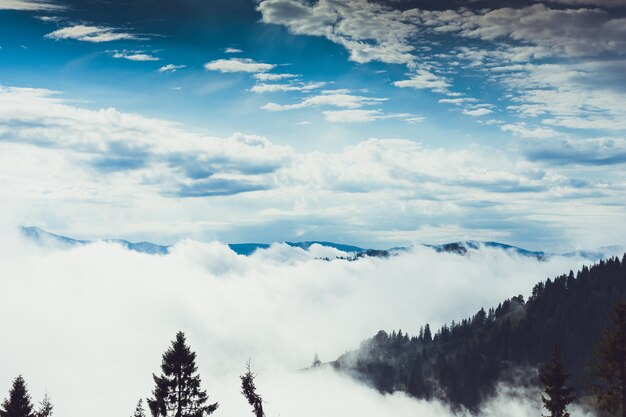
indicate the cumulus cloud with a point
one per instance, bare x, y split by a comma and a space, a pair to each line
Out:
28, 5
113, 165
95, 34
118, 142
368, 30
375, 31
594, 152
232, 51
238, 65
105, 312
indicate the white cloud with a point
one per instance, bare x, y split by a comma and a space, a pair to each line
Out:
365, 116
232, 51
116, 165
481, 111
171, 68
277, 307
352, 116
273, 77
93, 34
525, 131
272, 88
368, 30
238, 65
335, 98
28, 5
423, 79
135, 56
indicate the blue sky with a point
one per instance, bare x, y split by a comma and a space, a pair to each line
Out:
372, 123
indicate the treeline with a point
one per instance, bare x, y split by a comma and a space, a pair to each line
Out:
462, 362
177, 391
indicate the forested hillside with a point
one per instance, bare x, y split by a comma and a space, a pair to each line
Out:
462, 362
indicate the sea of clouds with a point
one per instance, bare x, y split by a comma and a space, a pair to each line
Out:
88, 325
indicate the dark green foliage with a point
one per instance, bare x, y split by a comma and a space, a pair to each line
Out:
139, 411
18, 404
177, 392
465, 360
609, 370
556, 395
248, 389
45, 407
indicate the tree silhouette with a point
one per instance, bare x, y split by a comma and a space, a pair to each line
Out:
557, 396
316, 361
18, 404
248, 389
139, 412
177, 392
610, 367
45, 407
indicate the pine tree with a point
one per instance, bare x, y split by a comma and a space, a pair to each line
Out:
248, 389
177, 392
553, 378
316, 361
18, 404
45, 407
610, 366
139, 412
428, 337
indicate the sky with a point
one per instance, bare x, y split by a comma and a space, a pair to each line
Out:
371, 123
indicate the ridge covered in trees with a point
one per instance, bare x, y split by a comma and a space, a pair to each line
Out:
463, 362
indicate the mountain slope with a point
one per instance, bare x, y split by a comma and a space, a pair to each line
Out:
463, 362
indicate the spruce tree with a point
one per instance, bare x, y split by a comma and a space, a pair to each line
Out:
45, 407
177, 392
557, 396
609, 369
248, 389
316, 361
18, 404
139, 412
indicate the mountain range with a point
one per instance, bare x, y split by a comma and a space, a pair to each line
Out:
41, 236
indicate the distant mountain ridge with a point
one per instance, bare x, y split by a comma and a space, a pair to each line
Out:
41, 236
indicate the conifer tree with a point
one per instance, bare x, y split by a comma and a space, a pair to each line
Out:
139, 412
316, 361
177, 392
45, 407
610, 366
556, 395
428, 337
18, 404
248, 389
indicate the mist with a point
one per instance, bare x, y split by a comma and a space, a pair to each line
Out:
88, 325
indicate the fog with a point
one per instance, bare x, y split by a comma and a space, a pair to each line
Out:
89, 325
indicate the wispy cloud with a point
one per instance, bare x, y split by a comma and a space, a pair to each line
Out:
29, 5
334, 98
95, 34
135, 56
171, 68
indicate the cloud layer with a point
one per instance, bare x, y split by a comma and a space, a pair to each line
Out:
103, 312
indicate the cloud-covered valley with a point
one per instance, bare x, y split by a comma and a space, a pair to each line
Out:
88, 325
